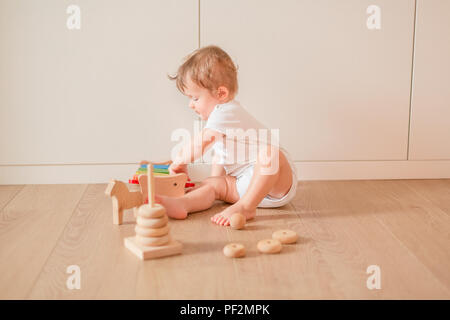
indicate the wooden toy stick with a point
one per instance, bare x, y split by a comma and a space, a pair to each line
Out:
150, 242
151, 185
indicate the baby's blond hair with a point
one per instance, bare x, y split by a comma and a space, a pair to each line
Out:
209, 67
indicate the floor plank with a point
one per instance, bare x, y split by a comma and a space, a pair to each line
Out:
110, 271
7, 193
344, 226
200, 272
436, 191
30, 226
341, 221
420, 225
287, 275
92, 242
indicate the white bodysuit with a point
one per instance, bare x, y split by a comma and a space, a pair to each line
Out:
238, 151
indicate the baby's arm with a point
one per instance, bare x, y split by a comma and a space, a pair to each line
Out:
194, 149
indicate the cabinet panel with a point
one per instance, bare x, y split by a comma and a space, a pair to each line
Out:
430, 108
336, 89
99, 94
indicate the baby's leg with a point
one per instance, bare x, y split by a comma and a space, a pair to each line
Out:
217, 170
271, 176
201, 197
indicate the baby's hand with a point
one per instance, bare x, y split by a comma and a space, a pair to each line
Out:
178, 168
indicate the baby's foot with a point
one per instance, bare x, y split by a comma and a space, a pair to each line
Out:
174, 207
223, 218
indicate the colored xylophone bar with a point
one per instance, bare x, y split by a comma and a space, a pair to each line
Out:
158, 170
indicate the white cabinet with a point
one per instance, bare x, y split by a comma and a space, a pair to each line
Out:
313, 69
350, 101
430, 111
99, 94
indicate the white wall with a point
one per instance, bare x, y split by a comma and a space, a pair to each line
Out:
430, 111
334, 88
83, 106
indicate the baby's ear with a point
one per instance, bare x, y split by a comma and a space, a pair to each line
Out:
222, 92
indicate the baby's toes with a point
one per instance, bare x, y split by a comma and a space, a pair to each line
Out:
220, 220
223, 221
215, 218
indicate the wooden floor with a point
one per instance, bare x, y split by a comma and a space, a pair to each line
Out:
402, 226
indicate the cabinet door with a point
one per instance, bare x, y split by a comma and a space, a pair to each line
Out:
99, 94
430, 108
336, 89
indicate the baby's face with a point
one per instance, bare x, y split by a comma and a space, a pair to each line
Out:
201, 100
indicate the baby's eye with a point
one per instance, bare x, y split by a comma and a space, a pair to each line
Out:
195, 99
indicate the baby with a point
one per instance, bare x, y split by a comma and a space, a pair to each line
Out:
264, 176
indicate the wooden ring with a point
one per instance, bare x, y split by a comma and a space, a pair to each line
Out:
285, 236
152, 222
269, 246
146, 211
151, 232
234, 250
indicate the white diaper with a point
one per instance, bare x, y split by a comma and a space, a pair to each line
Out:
244, 178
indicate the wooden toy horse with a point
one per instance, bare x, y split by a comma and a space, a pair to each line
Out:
165, 185
122, 199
